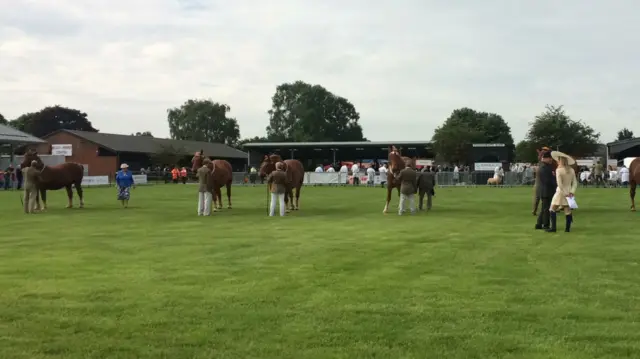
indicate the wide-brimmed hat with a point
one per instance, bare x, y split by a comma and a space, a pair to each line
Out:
124, 165
557, 154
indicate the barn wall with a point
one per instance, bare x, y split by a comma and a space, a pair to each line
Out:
83, 152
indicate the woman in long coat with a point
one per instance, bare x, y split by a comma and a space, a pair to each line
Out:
567, 185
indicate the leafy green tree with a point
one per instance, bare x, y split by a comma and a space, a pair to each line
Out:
203, 120
145, 133
624, 134
3, 121
555, 129
304, 112
251, 139
465, 126
53, 118
526, 152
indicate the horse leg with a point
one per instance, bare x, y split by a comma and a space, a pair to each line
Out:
229, 194
43, 195
632, 194
298, 188
288, 200
69, 196
80, 193
219, 194
389, 189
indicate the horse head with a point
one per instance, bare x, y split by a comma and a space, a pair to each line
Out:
197, 160
396, 162
30, 156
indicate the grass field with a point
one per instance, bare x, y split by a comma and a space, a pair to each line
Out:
338, 279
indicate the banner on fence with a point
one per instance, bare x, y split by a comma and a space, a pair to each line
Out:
140, 179
95, 181
486, 166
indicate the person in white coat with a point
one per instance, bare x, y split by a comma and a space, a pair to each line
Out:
355, 172
623, 173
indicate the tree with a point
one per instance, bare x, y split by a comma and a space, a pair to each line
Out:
555, 129
464, 127
145, 133
51, 119
167, 155
203, 120
303, 112
3, 121
252, 139
624, 134
526, 152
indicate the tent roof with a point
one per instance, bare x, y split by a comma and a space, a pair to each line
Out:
9, 135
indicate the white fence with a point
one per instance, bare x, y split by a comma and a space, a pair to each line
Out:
442, 178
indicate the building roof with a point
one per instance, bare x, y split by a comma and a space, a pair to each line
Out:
9, 135
619, 146
146, 144
334, 144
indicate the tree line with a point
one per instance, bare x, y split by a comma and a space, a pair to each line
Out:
303, 112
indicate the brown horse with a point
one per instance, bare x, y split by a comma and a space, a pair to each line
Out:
295, 177
221, 175
634, 179
56, 177
396, 164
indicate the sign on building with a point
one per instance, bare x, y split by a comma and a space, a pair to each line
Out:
486, 166
62, 150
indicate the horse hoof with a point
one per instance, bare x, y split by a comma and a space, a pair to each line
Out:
296, 209
229, 207
69, 206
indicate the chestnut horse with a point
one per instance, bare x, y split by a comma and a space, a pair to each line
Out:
56, 177
634, 179
295, 177
396, 164
221, 175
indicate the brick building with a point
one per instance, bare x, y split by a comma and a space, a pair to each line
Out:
102, 153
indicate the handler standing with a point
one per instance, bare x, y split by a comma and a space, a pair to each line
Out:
536, 196
546, 188
31, 174
408, 179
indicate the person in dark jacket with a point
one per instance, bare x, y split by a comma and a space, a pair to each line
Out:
546, 189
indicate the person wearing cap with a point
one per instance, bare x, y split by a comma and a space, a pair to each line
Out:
30, 187
536, 196
204, 192
545, 189
124, 183
408, 179
277, 183
567, 183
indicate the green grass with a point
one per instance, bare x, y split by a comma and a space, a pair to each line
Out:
338, 279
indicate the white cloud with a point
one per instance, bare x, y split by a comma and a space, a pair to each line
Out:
126, 62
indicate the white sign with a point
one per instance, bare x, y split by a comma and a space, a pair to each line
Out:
62, 150
488, 145
424, 162
95, 181
486, 166
587, 163
140, 179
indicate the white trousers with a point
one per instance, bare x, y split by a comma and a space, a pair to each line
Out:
279, 197
403, 200
204, 203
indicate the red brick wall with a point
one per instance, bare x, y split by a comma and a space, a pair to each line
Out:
83, 152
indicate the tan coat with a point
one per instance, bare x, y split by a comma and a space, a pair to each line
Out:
567, 183
203, 178
277, 182
408, 179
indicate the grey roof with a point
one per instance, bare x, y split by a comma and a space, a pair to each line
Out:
9, 135
619, 146
145, 144
336, 144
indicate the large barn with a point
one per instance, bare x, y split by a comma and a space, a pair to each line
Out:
102, 153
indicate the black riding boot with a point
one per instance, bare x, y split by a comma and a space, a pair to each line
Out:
553, 222
569, 220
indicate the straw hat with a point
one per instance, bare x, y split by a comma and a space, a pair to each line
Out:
557, 154
124, 165
279, 165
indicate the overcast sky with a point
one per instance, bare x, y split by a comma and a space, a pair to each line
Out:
408, 63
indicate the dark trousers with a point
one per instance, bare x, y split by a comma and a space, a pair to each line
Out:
544, 218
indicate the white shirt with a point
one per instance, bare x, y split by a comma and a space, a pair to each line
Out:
344, 169
331, 169
371, 173
355, 169
584, 175
319, 169
624, 174
613, 175
383, 173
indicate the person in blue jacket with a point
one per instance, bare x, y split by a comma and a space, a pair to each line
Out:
124, 182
